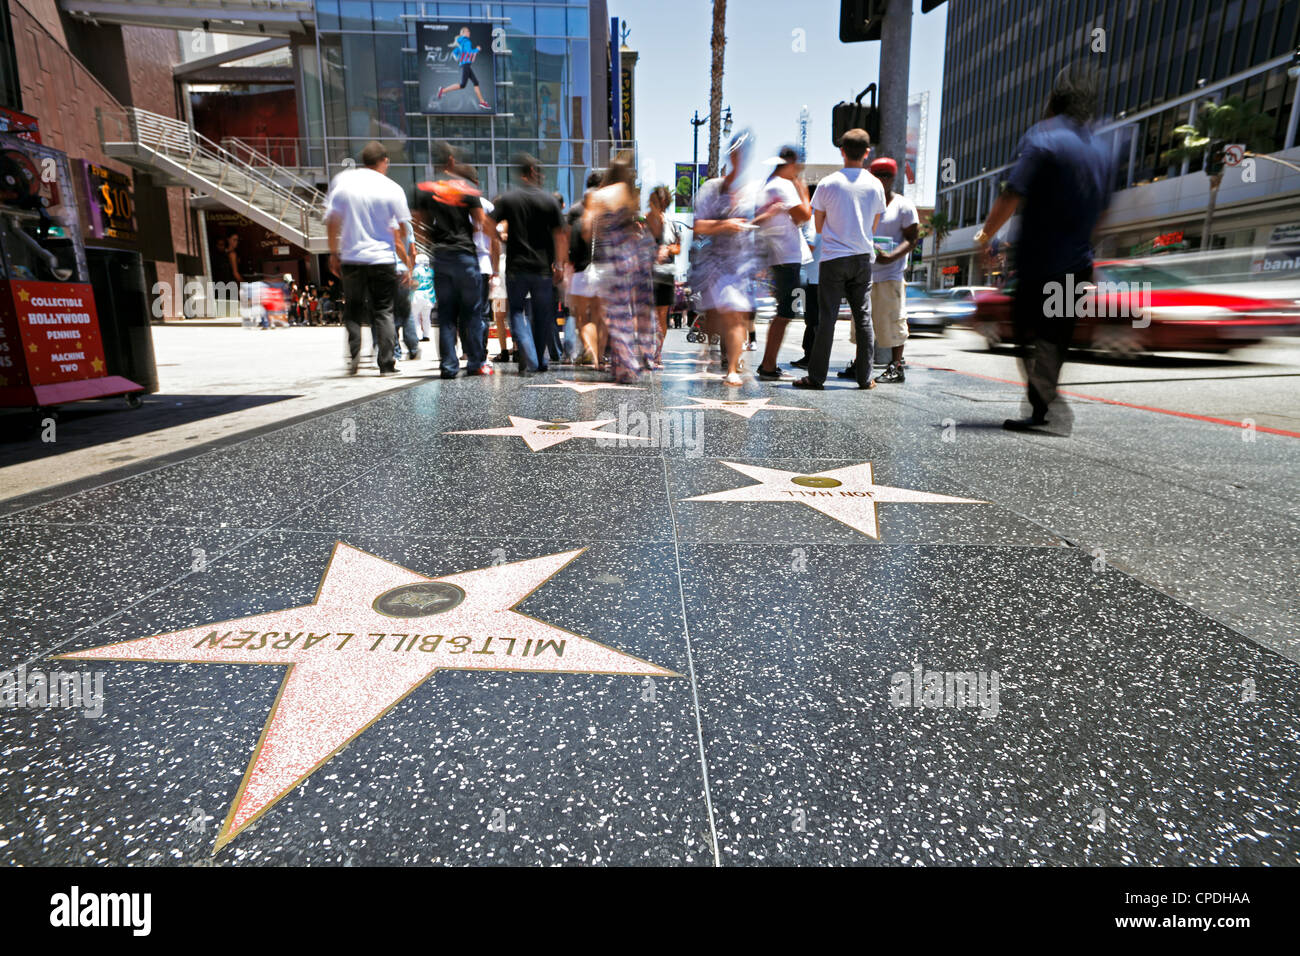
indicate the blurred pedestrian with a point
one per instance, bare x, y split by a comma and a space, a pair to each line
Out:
536, 249
449, 209
726, 257
668, 245
403, 319
486, 241
584, 298
1061, 175
785, 207
611, 213
422, 297
811, 270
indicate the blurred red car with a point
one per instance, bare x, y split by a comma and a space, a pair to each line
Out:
1175, 314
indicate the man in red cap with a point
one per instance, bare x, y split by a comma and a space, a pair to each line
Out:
895, 238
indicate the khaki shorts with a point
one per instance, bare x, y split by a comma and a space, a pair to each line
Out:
889, 313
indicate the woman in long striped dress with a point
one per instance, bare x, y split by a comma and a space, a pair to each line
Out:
612, 214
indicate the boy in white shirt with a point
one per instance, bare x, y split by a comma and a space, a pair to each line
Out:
847, 208
365, 216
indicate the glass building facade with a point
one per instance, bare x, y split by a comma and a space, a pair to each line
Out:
360, 82
1002, 57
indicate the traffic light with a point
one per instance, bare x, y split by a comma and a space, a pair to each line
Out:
861, 19
846, 116
1214, 158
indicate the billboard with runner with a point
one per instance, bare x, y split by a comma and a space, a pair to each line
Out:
457, 72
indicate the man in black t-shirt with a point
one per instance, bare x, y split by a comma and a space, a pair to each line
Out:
536, 247
447, 209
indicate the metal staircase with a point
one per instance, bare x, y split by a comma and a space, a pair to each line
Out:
242, 180
257, 17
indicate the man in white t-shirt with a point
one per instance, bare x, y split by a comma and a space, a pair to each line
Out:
365, 214
785, 208
846, 208
900, 230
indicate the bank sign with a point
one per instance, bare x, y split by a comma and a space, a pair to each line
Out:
457, 68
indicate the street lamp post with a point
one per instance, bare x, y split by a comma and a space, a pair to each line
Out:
695, 162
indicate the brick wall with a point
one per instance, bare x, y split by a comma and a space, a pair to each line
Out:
63, 92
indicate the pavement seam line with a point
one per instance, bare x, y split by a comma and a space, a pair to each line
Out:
690, 653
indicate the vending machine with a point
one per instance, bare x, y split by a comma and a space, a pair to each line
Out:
51, 350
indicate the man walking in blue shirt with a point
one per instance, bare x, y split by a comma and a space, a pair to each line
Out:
1061, 179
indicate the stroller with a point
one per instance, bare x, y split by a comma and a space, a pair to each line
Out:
695, 332
694, 319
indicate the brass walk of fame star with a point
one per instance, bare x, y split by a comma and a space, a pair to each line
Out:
848, 494
584, 387
539, 434
744, 407
347, 668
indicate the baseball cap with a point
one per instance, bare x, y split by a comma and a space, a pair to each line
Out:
884, 166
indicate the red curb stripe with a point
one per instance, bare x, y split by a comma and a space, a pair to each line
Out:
1113, 401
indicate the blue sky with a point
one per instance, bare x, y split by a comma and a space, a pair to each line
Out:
765, 80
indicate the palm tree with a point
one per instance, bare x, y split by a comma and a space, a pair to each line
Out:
939, 226
715, 82
1232, 121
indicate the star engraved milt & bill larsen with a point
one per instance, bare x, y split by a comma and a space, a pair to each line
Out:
375, 632
539, 434
848, 494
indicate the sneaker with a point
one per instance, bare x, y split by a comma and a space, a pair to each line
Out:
800, 363
850, 372
424, 339
751, 345
486, 369
892, 375
731, 378
416, 354
769, 376
484, 106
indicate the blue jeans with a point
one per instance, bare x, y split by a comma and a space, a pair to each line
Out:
404, 322
456, 285
531, 335
571, 347
485, 308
